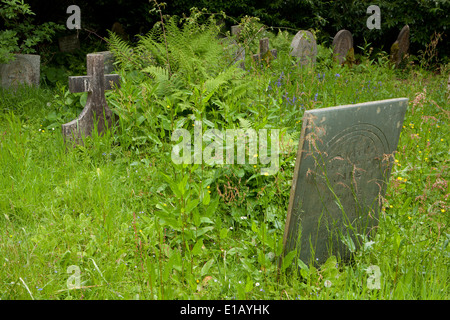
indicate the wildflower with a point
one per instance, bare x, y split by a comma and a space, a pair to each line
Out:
315, 96
442, 139
409, 218
400, 178
257, 284
337, 75
207, 187
442, 210
327, 283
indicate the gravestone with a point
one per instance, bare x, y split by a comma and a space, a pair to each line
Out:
25, 69
231, 46
304, 47
96, 109
236, 30
343, 165
264, 52
118, 29
69, 43
342, 44
401, 46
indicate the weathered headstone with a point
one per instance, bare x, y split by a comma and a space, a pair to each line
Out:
96, 108
264, 52
304, 47
236, 30
118, 29
401, 46
236, 51
342, 169
69, 43
25, 69
342, 44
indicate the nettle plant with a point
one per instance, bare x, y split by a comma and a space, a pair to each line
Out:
20, 34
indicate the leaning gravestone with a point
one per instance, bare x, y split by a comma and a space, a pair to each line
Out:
69, 43
304, 47
342, 44
401, 46
343, 165
95, 83
25, 69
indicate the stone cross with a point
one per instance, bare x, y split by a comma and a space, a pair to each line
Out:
96, 109
264, 52
342, 44
304, 47
344, 160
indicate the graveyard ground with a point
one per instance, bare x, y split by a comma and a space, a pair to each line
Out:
138, 226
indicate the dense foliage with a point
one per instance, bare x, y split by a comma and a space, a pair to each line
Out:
21, 34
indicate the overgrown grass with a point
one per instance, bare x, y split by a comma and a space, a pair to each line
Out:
139, 226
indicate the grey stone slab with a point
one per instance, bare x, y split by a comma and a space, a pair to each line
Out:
236, 30
96, 108
69, 43
25, 69
343, 164
304, 47
401, 46
342, 43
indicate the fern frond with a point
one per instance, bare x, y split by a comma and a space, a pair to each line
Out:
122, 50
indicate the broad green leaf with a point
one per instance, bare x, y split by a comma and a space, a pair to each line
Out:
197, 247
207, 266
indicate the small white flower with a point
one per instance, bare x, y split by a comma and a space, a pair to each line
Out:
327, 283
257, 284
231, 228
